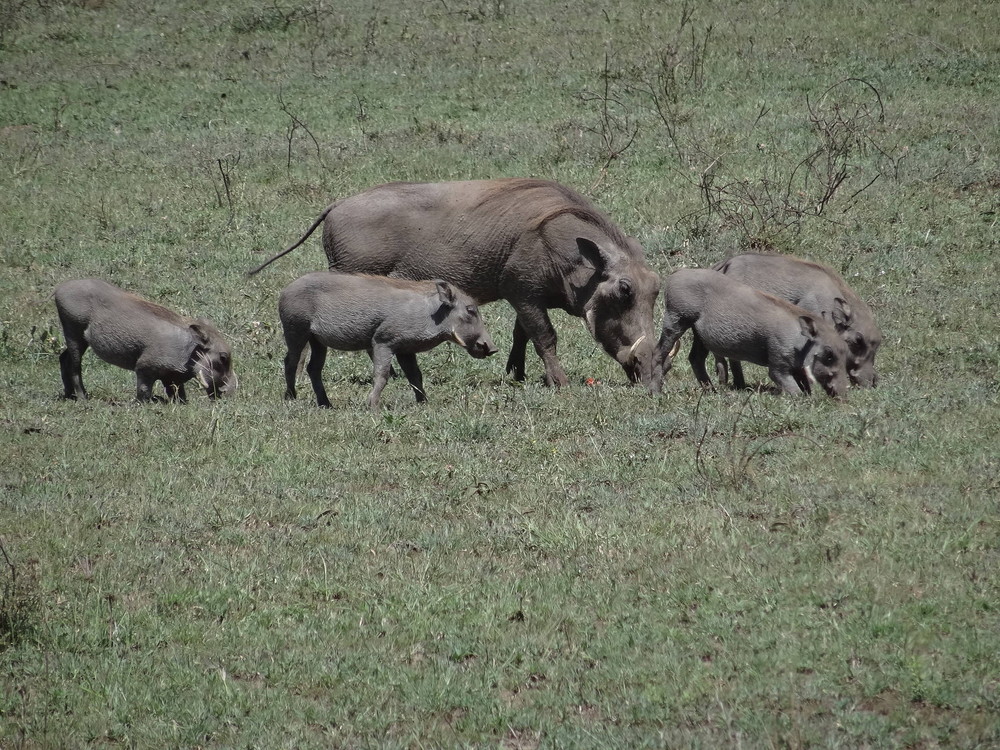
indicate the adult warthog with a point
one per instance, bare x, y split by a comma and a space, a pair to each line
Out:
535, 243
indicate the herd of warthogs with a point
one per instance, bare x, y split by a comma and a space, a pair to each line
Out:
410, 262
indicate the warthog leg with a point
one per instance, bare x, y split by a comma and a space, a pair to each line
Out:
535, 322
175, 391
736, 367
315, 371
70, 366
697, 357
408, 363
144, 382
293, 362
518, 351
381, 364
787, 382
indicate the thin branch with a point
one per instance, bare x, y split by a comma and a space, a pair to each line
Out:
295, 124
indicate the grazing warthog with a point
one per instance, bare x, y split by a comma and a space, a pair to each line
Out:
384, 316
136, 334
733, 320
818, 289
537, 244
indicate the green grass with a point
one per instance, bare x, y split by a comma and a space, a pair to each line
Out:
509, 566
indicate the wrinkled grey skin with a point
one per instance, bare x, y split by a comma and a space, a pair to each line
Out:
136, 334
739, 322
537, 244
384, 316
820, 290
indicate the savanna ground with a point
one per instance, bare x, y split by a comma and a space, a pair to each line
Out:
509, 566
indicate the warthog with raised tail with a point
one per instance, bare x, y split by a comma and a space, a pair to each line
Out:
820, 290
733, 320
384, 316
136, 334
535, 243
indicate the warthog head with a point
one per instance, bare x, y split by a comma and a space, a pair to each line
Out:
212, 360
460, 312
619, 315
825, 361
863, 338
861, 359
861, 351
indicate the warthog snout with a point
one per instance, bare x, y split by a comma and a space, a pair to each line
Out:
482, 349
830, 377
219, 388
863, 377
214, 370
636, 360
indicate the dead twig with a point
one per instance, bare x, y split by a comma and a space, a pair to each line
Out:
294, 124
227, 166
615, 127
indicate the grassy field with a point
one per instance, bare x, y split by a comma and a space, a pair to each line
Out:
508, 566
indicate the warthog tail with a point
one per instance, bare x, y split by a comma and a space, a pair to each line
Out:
301, 239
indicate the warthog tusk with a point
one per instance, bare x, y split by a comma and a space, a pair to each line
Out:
200, 371
631, 349
458, 339
674, 349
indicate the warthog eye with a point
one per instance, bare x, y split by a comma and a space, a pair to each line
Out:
625, 288
473, 311
828, 358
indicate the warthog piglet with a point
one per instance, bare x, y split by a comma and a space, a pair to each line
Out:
820, 290
739, 322
136, 334
387, 317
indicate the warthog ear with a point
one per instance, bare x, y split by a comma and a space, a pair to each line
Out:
841, 314
856, 343
808, 326
446, 293
200, 331
592, 253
